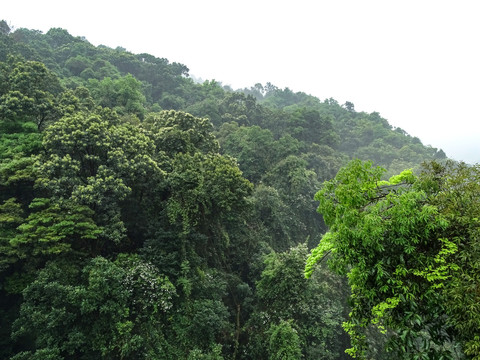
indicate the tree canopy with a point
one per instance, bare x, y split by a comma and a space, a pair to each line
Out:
407, 248
147, 215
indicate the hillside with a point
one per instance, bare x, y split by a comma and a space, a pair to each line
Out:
144, 215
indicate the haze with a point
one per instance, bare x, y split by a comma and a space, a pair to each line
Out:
416, 63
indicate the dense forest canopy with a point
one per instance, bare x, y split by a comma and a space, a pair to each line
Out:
144, 215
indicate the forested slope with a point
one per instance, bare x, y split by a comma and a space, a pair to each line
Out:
144, 215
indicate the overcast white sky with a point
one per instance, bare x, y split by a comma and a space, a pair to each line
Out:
416, 62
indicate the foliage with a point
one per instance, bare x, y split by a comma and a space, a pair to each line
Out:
145, 214
107, 313
28, 94
284, 342
403, 248
298, 317
123, 95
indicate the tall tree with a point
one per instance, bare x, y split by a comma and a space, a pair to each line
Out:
402, 245
29, 94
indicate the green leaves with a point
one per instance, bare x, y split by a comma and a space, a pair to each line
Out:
296, 315
124, 95
55, 228
30, 94
178, 132
108, 310
96, 161
205, 188
327, 244
399, 245
284, 342
87, 182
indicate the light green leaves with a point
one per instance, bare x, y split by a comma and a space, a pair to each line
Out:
54, 228
319, 253
398, 244
178, 132
30, 94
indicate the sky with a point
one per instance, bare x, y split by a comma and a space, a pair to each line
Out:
416, 62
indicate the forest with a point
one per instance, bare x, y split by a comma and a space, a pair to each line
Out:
147, 215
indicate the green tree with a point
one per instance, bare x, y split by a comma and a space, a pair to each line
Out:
312, 127
401, 247
54, 229
242, 109
108, 310
77, 64
29, 94
457, 186
273, 218
4, 28
179, 132
284, 343
207, 192
313, 309
254, 149
296, 184
123, 94
17, 160
99, 162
